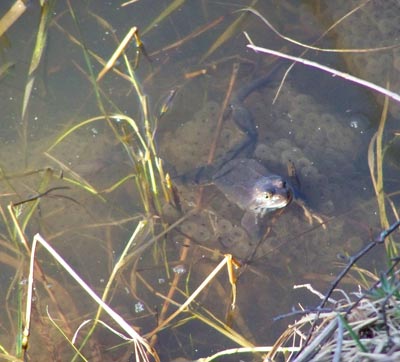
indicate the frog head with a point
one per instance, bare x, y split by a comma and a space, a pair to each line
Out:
269, 194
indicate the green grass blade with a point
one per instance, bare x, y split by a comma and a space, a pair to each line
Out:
176, 4
227, 34
353, 334
40, 45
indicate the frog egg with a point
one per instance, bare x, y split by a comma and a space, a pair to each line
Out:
309, 172
313, 118
241, 249
229, 138
226, 241
282, 144
302, 100
223, 226
196, 231
238, 235
292, 154
189, 228
327, 119
296, 114
265, 153
212, 108
319, 135
355, 243
302, 162
327, 207
304, 103
202, 233
320, 180
201, 116
301, 136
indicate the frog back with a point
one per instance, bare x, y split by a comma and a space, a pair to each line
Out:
236, 180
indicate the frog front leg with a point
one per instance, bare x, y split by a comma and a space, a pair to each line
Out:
252, 224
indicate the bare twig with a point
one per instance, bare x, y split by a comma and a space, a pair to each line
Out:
334, 72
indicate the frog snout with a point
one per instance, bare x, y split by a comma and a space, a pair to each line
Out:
281, 196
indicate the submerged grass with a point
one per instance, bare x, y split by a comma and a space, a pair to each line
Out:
153, 188
37, 56
142, 154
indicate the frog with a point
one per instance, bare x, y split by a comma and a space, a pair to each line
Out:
248, 184
243, 180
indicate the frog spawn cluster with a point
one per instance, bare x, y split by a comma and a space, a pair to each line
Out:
295, 128
322, 145
188, 146
374, 25
216, 232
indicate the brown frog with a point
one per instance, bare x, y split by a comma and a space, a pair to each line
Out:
244, 181
248, 184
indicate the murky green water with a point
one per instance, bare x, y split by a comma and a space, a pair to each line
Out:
321, 123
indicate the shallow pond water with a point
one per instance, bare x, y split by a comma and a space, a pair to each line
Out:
320, 123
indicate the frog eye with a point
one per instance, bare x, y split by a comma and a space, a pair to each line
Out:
268, 195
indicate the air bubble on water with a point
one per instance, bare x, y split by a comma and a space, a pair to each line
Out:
359, 122
354, 124
179, 269
139, 307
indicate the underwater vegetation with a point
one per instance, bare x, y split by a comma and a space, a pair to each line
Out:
199, 181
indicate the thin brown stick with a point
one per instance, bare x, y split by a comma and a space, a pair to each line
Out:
332, 71
328, 50
232, 81
121, 48
182, 307
12, 15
